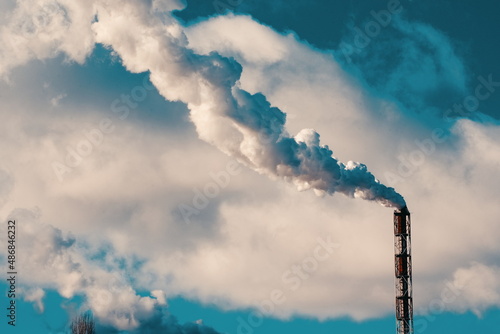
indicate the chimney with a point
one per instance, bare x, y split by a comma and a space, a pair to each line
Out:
402, 259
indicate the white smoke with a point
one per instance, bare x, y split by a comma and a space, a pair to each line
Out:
148, 38
240, 124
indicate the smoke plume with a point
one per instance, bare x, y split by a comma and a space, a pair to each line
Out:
240, 124
147, 37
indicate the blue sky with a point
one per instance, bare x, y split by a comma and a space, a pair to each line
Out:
228, 167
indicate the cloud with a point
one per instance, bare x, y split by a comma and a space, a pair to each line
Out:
409, 61
35, 296
43, 29
6, 185
479, 288
53, 260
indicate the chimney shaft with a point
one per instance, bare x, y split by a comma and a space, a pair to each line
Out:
402, 258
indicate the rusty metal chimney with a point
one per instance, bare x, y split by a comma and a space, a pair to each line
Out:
402, 259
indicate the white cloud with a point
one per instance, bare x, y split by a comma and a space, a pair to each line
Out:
40, 29
479, 288
258, 45
53, 260
36, 296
